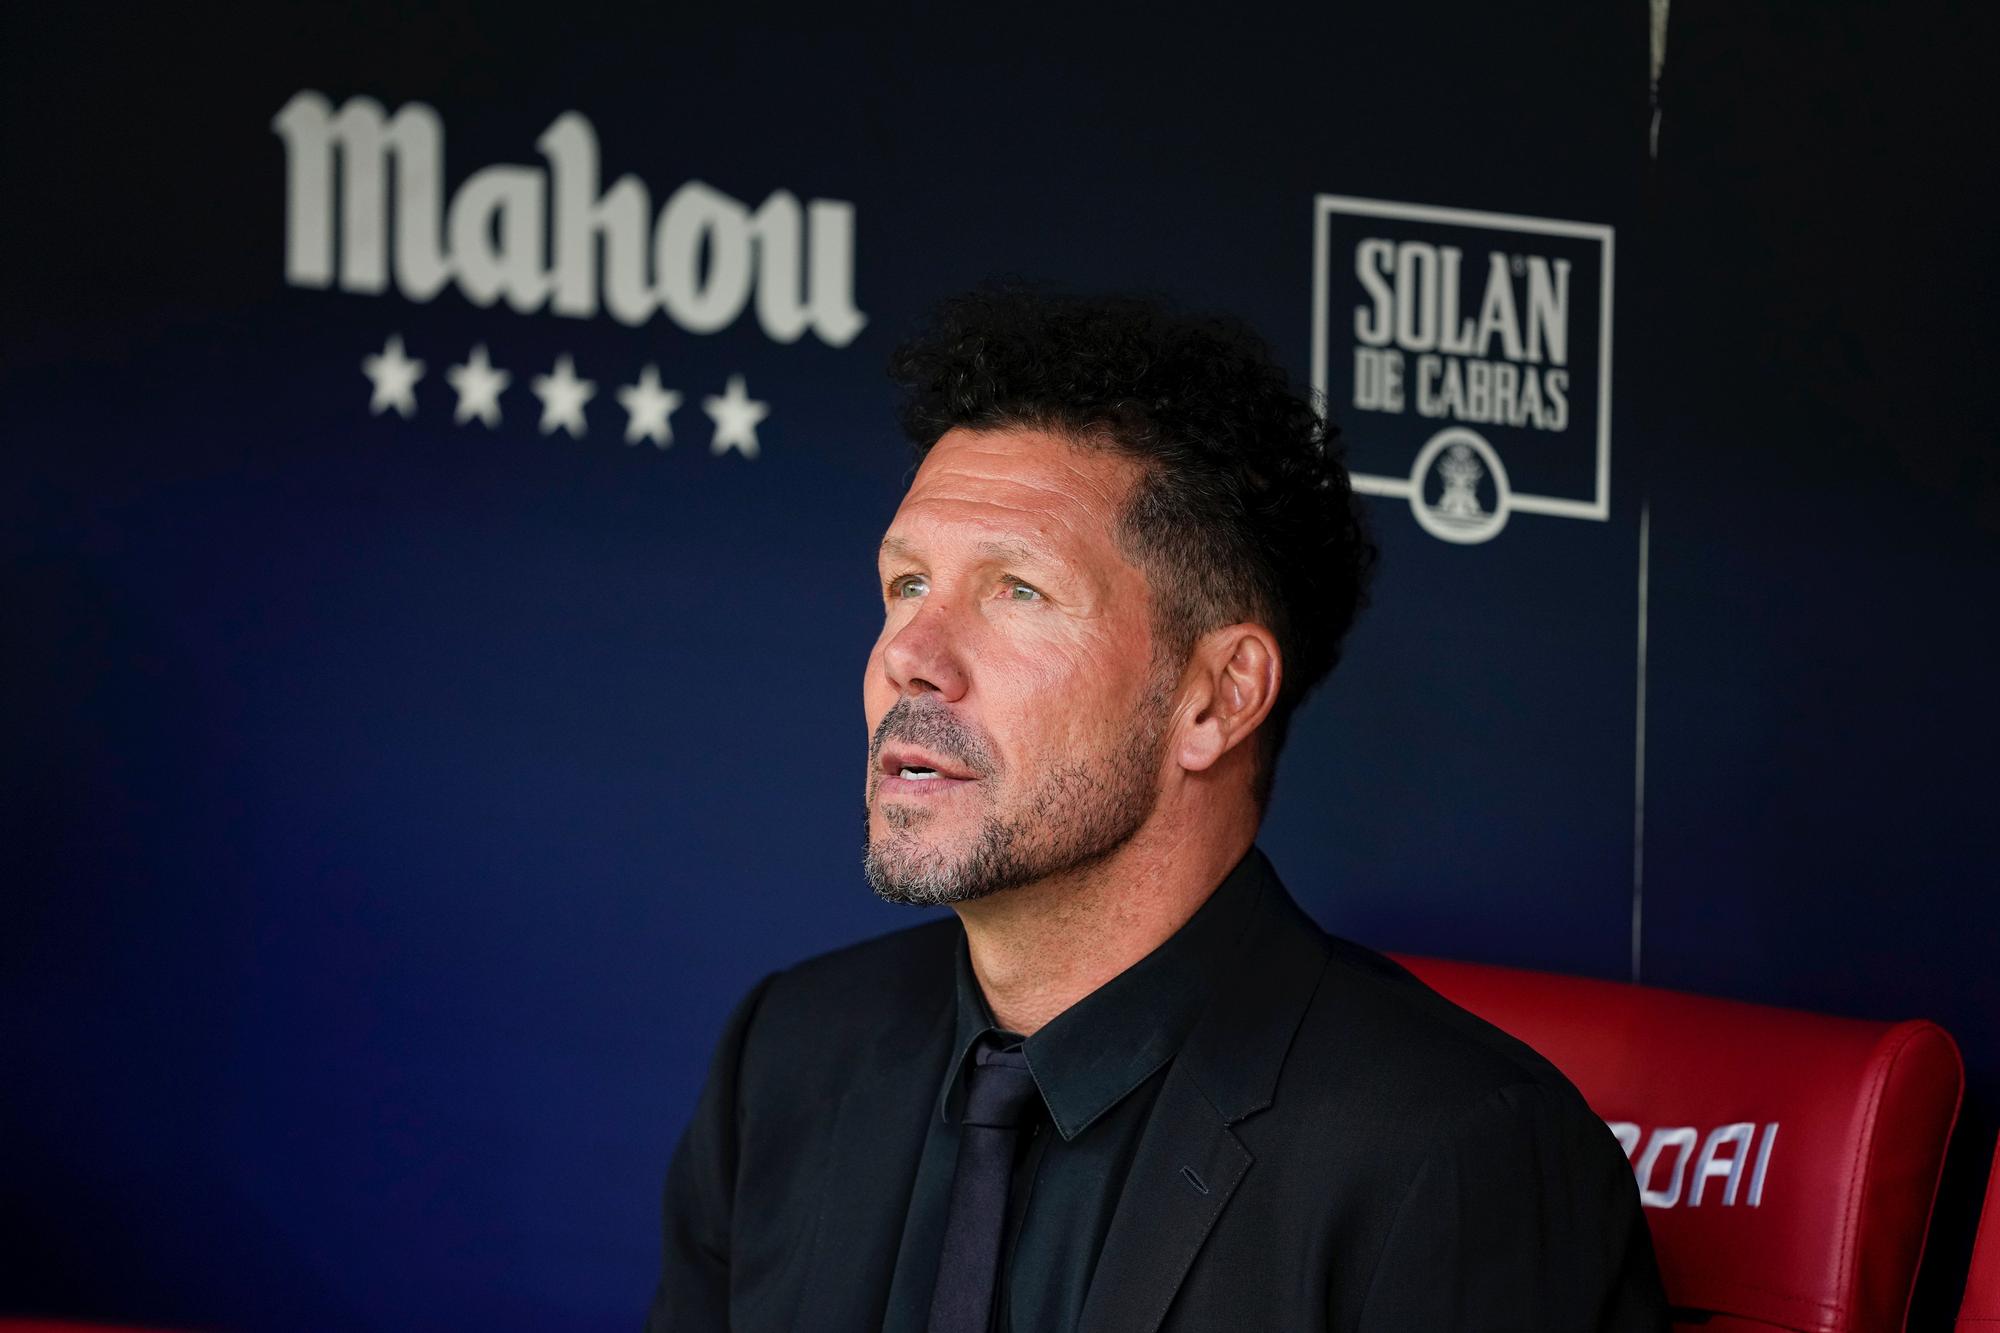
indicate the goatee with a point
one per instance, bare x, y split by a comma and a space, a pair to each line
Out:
1075, 814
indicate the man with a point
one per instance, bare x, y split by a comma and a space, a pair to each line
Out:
1130, 1086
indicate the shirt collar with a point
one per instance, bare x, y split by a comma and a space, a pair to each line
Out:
1090, 1056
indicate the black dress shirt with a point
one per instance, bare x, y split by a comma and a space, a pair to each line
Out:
1099, 1065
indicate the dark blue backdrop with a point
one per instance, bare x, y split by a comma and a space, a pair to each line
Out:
397, 804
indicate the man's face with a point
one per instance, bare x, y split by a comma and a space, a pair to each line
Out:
1016, 710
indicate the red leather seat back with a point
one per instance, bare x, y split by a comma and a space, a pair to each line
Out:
1788, 1161
1980, 1310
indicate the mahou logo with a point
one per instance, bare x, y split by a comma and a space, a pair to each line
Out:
1445, 339
533, 235
366, 212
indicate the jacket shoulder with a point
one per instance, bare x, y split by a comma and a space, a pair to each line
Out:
1373, 1031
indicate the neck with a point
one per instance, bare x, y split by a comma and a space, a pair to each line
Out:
1040, 948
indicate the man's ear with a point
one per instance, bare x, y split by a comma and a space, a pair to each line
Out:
1233, 678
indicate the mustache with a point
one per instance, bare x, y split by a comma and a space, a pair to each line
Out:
921, 720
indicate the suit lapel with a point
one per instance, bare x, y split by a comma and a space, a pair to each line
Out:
872, 1154
1187, 1166
1226, 1071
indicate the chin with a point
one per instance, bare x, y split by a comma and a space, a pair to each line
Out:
921, 871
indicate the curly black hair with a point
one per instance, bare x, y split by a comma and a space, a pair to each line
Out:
1245, 511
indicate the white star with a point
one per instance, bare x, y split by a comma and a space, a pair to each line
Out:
563, 396
395, 378
479, 384
736, 415
647, 407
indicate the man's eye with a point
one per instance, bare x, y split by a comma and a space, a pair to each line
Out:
908, 586
1021, 592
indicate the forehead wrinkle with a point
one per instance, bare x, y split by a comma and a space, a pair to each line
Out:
997, 537
1101, 470
1011, 529
1096, 482
1043, 502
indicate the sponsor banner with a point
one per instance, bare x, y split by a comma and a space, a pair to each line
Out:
367, 212
1467, 357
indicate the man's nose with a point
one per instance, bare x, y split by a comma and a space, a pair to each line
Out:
925, 656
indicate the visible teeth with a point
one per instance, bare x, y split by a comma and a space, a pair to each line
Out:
918, 774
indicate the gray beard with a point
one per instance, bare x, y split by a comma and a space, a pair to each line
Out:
1076, 815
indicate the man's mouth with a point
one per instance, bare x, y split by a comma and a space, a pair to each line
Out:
919, 784
907, 770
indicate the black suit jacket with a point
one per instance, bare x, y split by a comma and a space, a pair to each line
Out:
1360, 1154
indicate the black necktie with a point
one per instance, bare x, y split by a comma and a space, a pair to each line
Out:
1000, 1094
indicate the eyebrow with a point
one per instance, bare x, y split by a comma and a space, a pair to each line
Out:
1011, 551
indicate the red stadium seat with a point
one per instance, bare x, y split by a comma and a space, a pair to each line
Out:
1788, 1161
1980, 1311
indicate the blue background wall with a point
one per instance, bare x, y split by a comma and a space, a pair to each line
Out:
395, 806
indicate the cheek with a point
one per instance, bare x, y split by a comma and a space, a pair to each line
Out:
1062, 699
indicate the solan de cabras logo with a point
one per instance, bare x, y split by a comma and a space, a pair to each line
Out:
365, 212
1469, 357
